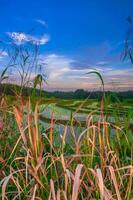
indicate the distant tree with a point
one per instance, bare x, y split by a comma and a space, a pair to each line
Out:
80, 94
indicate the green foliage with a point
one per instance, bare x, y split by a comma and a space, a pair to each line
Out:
99, 76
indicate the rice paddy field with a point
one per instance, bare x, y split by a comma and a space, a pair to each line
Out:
61, 149
66, 100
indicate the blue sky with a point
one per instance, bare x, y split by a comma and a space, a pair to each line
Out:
74, 36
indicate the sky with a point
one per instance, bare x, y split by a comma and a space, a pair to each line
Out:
74, 37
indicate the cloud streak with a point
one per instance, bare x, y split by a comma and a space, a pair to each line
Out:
42, 22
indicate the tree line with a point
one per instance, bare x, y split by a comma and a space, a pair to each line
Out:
11, 89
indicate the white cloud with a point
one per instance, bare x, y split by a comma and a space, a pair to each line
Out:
42, 22
3, 54
61, 74
60, 67
102, 63
21, 38
56, 66
121, 73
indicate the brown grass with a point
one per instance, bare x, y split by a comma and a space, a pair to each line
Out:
90, 167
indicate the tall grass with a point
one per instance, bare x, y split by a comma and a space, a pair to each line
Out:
40, 163
34, 164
